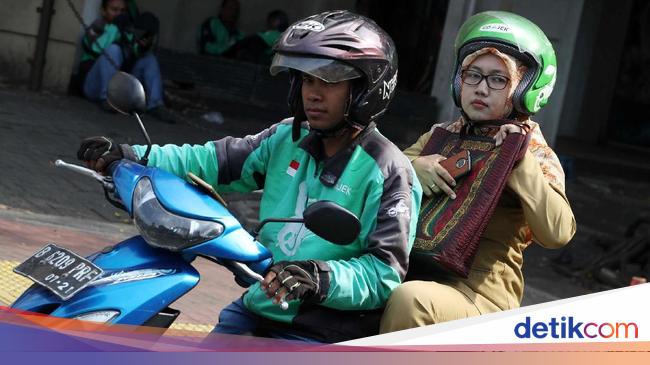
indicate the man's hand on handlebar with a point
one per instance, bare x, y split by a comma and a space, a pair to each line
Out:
302, 280
99, 152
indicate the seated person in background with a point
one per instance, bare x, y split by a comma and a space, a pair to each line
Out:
219, 33
258, 47
114, 43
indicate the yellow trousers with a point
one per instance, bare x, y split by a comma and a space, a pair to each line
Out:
421, 303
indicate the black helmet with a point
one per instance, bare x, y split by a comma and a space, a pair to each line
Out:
336, 46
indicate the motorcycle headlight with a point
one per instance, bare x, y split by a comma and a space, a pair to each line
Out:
161, 228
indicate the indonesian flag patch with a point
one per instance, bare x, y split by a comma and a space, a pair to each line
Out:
293, 167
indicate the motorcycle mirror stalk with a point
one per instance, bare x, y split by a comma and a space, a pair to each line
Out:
126, 95
327, 220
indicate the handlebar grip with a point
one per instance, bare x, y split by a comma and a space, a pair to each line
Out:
247, 271
111, 168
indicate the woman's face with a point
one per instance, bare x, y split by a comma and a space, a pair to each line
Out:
482, 102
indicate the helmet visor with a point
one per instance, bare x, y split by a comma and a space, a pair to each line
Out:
326, 69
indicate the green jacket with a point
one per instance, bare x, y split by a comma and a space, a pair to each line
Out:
101, 35
215, 38
371, 178
270, 37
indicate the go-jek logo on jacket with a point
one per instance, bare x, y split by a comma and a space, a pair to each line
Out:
568, 327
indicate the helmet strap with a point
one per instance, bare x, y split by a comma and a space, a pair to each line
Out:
357, 90
294, 100
295, 128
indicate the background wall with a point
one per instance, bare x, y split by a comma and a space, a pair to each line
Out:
579, 106
180, 19
19, 22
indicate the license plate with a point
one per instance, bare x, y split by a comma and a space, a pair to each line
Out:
62, 271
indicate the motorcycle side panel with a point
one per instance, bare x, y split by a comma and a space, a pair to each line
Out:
183, 198
137, 301
175, 194
233, 244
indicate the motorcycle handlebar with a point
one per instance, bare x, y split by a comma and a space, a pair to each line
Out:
247, 270
80, 170
105, 181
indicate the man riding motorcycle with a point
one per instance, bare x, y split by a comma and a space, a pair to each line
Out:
343, 72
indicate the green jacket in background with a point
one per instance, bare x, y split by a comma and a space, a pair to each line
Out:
270, 37
371, 178
215, 38
99, 36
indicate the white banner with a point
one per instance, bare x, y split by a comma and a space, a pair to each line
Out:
618, 315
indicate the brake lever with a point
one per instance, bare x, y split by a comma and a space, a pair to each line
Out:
106, 181
80, 170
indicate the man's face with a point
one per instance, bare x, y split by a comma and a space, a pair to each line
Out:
324, 103
113, 8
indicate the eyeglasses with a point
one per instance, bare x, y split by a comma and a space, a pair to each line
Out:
494, 82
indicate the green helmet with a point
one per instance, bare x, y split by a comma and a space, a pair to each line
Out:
518, 37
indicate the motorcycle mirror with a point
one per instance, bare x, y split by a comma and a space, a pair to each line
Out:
332, 222
126, 94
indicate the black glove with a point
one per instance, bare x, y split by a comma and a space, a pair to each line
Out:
100, 152
303, 280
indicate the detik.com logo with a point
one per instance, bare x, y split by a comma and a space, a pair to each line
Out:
568, 327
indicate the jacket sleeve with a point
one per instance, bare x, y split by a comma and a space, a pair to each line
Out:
99, 36
229, 164
367, 281
546, 208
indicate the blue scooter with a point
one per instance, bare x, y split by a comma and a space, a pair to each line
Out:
135, 281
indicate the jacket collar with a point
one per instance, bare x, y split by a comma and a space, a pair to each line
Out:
335, 165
